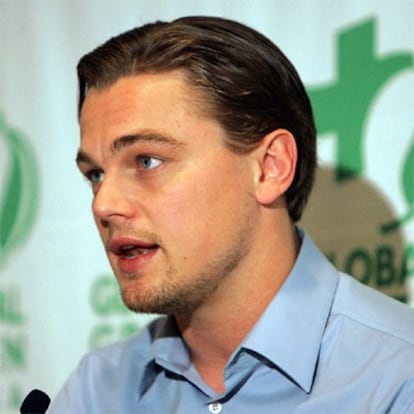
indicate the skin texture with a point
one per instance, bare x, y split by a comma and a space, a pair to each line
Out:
212, 228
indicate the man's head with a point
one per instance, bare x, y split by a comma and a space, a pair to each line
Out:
244, 81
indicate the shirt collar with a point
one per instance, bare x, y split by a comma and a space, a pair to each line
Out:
290, 331
288, 334
167, 350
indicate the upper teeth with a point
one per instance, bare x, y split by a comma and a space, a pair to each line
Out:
129, 247
133, 251
128, 250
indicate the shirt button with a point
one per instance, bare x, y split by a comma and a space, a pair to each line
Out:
215, 408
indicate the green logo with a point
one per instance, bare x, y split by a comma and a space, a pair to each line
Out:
342, 107
19, 192
371, 245
408, 190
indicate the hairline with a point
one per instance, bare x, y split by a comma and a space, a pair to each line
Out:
204, 106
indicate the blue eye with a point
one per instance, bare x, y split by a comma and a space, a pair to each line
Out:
147, 162
95, 176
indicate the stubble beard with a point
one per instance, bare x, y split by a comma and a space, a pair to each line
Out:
181, 295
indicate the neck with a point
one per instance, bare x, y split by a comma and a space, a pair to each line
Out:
215, 330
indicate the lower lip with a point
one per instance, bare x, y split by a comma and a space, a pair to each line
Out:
132, 265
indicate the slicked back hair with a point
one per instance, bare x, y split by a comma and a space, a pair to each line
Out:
246, 82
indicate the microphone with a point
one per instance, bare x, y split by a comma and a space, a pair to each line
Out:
36, 402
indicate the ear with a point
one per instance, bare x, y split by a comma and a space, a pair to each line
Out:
277, 158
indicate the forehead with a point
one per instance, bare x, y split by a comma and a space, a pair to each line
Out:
154, 97
161, 105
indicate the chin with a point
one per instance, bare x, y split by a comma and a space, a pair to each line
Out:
157, 303
138, 301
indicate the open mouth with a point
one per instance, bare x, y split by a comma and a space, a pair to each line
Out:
132, 251
126, 248
133, 255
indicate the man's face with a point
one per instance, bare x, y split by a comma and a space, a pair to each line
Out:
174, 207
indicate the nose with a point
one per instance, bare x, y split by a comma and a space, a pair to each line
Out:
112, 201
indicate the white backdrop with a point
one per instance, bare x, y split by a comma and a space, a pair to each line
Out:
57, 298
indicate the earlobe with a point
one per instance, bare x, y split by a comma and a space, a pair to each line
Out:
278, 158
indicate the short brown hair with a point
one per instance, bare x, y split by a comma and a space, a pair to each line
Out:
247, 83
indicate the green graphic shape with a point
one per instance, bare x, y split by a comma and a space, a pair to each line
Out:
19, 199
342, 107
408, 191
408, 177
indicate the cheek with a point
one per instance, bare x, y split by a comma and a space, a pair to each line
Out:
203, 208
187, 208
183, 216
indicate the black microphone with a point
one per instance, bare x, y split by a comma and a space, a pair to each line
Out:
36, 402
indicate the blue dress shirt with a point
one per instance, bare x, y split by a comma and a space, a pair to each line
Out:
325, 344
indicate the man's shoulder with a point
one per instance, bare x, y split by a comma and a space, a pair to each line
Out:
372, 311
124, 353
109, 377
367, 351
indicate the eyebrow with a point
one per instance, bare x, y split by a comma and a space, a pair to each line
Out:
83, 157
126, 141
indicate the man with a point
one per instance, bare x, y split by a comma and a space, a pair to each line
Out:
198, 139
